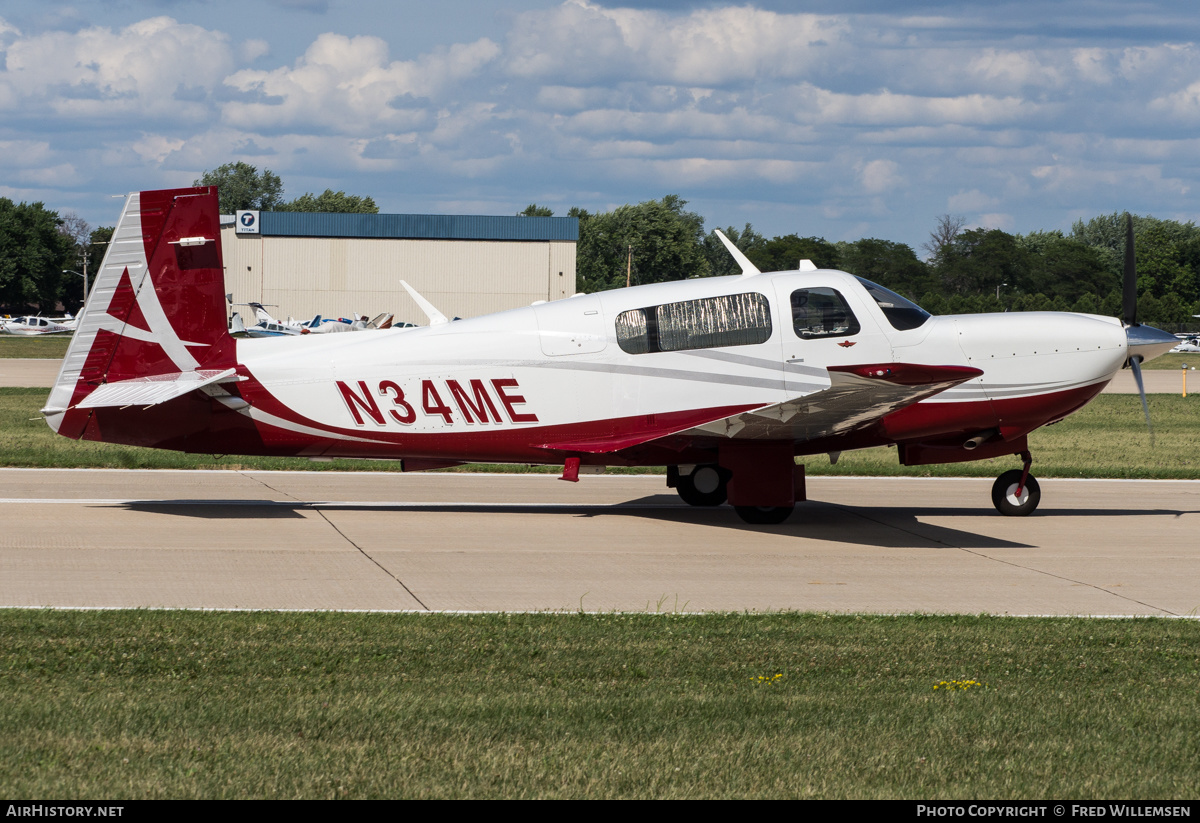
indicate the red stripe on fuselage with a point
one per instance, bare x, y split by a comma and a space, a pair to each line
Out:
1014, 416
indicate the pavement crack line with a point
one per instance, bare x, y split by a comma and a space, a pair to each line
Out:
342, 534
1002, 561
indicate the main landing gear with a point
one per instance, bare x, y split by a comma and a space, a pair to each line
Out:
705, 486
747, 476
1016, 493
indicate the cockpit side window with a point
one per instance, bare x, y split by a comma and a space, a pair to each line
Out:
822, 312
901, 312
712, 322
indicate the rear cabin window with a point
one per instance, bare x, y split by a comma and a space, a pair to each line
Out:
822, 312
713, 322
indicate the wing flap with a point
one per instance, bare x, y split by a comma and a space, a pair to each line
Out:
857, 397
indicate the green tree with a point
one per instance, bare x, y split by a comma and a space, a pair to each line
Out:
534, 210
982, 260
33, 253
785, 253
241, 186
894, 265
1066, 267
330, 202
944, 234
1168, 252
1159, 261
720, 261
654, 241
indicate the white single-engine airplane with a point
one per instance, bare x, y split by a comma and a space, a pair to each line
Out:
34, 325
723, 380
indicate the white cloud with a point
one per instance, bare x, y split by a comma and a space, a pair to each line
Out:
817, 105
1183, 104
1153, 62
1004, 222
970, 201
1093, 65
349, 85
251, 50
18, 153
583, 43
1014, 70
695, 171
878, 176
154, 148
738, 124
98, 72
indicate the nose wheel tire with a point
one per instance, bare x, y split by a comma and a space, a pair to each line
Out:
705, 486
1005, 498
764, 515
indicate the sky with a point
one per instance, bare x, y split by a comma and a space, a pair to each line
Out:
835, 118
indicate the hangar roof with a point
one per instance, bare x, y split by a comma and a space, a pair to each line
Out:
417, 226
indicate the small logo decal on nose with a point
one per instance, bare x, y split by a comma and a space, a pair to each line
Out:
845, 344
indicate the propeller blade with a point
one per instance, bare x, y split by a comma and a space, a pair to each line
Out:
1135, 363
1129, 315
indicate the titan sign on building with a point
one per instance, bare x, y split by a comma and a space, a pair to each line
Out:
342, 264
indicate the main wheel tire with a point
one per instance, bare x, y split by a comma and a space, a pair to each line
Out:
764, 515
1004, 494
705, 486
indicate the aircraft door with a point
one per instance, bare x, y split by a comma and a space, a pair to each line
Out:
827, 324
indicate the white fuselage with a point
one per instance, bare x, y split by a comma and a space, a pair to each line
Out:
560, 363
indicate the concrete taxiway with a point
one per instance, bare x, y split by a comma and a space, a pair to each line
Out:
21, 373
323, 540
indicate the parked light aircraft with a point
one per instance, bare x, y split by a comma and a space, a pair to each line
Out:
723, 380
30, 326
268, 326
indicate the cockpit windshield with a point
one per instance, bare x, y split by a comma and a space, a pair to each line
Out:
901, 312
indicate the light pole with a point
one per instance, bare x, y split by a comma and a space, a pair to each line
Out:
998, 291
85, 283
83, 274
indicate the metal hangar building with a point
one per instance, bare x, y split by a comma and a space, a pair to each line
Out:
336, 265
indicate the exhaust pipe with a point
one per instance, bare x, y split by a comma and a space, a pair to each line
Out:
979, 439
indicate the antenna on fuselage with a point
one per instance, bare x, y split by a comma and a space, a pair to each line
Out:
748, 268
436, 318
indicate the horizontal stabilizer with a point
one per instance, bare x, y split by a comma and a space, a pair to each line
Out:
152, 390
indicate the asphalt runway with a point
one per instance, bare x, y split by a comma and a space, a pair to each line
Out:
324, 540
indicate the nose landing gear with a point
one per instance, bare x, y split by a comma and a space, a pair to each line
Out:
1016, 493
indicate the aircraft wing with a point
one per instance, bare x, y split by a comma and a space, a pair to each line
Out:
857, 396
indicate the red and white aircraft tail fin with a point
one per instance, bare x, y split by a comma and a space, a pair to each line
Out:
154, 327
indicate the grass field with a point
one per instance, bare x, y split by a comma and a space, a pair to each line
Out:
52, 346
150, 704
1173, 361
1107, 439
